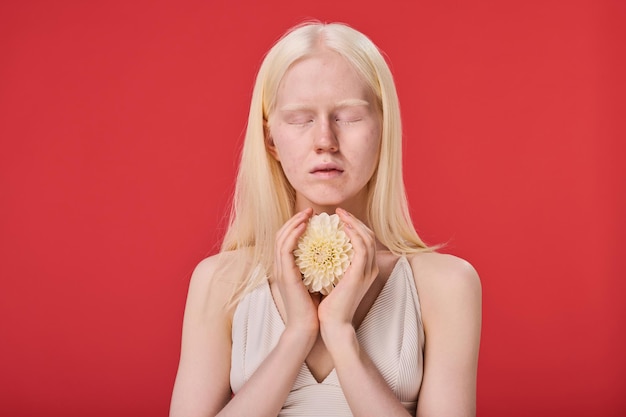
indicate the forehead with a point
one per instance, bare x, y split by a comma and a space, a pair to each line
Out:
322, 77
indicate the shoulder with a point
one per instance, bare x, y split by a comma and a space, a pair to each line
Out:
214, 281
444, 272
223, 268
211, 271
450, 302
202, 378
446, 284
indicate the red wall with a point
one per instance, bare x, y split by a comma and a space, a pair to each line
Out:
120, 122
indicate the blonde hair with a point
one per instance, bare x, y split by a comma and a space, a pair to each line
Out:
264, 199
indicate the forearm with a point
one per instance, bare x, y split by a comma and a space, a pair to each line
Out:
365, 389
266, 391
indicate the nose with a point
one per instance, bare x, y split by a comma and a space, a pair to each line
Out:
326, 138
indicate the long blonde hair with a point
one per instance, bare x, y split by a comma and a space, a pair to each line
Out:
264, 199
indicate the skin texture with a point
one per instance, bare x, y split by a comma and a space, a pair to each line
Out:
325, 131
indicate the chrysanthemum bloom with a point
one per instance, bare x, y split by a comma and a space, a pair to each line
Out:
324, 253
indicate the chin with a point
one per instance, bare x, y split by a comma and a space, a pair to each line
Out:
330, 201
329, 205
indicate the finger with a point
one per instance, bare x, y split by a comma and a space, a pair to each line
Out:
354, 225
283, 233
361, 237
291, 223
286, 242
363, 242
289, 237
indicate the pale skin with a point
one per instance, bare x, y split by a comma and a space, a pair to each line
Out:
325, 132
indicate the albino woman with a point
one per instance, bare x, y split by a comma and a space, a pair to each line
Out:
399, 334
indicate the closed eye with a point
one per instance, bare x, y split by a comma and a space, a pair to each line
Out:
348, 121
300, 122
298, 118
349, 115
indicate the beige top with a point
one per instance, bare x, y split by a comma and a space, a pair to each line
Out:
392, 334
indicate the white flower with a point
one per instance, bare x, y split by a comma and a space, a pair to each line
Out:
324, 253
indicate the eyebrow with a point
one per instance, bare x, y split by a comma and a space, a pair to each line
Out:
351, 102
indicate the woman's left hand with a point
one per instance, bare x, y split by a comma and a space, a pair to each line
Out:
337, 310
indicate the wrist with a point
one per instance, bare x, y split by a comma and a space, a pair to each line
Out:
300, 338
339, 338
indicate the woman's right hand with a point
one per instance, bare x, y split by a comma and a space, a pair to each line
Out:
300, 306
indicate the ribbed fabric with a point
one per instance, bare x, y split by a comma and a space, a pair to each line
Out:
392, 334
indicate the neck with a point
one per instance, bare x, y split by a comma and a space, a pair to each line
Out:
356, 208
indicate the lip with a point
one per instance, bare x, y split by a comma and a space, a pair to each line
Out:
327, 170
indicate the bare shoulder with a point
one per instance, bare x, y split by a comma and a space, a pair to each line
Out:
444, 269
202, 382
451, 309
215, 268
442, 278
213, 283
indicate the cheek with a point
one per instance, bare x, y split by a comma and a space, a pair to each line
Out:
371, 152
372, 164
288, 167
286, 156
274, 143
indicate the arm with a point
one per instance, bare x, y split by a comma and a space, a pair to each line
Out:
450, 296
366, 391
267, 389
202, 385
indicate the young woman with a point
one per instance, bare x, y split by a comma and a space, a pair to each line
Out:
399, 334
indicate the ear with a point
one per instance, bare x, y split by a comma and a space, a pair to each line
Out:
269, 142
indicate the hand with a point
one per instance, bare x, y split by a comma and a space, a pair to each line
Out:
336, 311
300, 305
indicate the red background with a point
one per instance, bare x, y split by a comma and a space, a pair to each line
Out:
120, 125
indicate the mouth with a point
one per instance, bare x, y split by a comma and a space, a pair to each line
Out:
327, 171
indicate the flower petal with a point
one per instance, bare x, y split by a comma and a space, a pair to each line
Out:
323, 253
